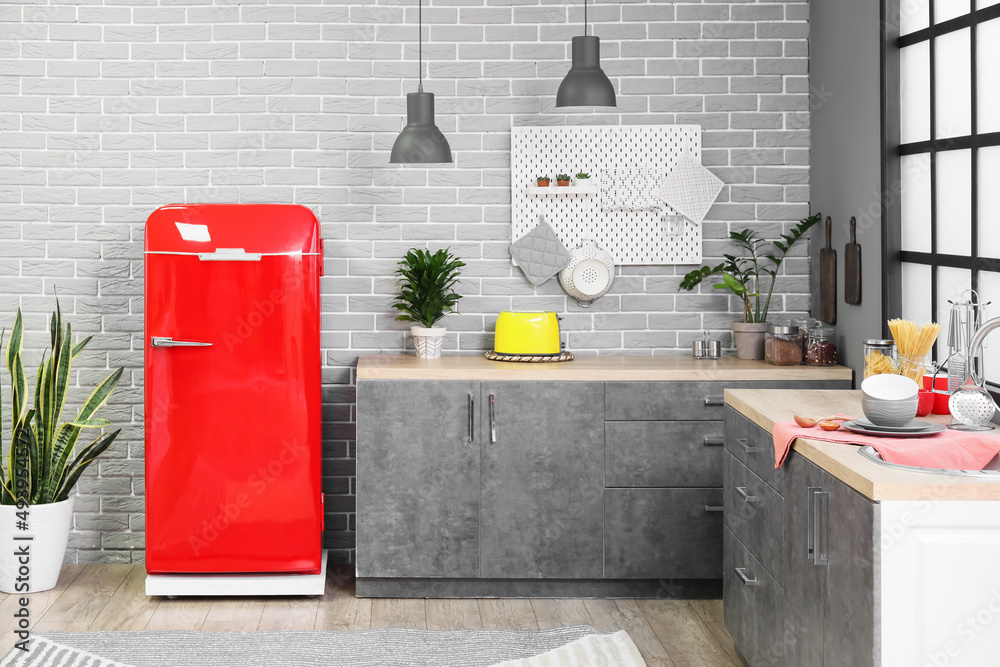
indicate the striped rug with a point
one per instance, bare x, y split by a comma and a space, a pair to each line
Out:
577, 646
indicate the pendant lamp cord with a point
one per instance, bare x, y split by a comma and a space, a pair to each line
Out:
585, 18
420, 48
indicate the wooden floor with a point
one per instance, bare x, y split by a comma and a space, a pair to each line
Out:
670, 633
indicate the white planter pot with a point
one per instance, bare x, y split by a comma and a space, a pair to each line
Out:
48, 526
428, 341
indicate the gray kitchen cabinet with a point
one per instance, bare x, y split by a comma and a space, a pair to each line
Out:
666, 454
849, 605
830, 589
663, 533
542, 480
825, 579
418, 479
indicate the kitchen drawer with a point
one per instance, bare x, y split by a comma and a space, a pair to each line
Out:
662, 533
753, 446
663, 453
752, 605
650, 401
756, 514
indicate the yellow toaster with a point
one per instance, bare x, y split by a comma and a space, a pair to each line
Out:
527, 333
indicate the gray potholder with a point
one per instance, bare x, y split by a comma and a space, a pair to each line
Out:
540, 254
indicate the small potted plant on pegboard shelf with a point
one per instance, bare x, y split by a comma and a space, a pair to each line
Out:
562, 179
426, 282
543, 181
583, 178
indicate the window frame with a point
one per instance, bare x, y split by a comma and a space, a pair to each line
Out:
893, 255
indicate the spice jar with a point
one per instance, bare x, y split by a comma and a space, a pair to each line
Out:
783, 346
880, 357
821, 346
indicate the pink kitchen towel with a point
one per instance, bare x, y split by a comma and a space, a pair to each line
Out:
950, 450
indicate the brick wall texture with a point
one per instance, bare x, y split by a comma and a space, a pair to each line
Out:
111, 109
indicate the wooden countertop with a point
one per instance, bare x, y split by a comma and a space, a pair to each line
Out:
764, 407
635, 369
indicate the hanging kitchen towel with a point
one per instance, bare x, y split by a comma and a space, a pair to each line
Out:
951, 450
540, 254
690, 189
628, 189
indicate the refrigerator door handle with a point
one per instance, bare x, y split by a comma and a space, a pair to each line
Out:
167, 341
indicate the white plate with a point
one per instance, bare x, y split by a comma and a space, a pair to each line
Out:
854, 427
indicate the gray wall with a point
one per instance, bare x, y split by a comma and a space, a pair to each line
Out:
845, 161
109, 110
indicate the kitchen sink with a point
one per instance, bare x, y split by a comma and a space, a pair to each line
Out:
991, 471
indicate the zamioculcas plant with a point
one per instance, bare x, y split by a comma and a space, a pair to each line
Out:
741, 275
425, 286
43, 465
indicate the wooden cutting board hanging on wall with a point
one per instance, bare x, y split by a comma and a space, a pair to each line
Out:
852, 267
828, 278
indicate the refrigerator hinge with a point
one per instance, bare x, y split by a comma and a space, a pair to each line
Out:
322, 512
322, 256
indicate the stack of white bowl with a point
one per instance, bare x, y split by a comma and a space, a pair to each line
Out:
889, 400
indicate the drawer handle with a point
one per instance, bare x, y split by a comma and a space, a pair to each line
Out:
742, 574
742, 490
715, 401
747, 447
714, 441
713, 508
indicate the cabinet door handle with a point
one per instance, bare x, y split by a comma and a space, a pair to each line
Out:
742, 490
714, 441
820, 499
493, 418
742, 574
714, 401
713, 508
472, 417
747, 447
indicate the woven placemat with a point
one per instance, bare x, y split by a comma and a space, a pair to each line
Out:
530, 358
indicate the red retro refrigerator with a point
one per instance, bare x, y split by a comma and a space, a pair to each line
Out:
232, 393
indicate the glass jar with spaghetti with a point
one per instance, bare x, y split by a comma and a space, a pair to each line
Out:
880, 357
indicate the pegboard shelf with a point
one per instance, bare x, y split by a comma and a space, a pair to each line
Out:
564, 190
632, 228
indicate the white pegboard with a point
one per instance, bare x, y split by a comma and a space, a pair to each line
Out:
631, 236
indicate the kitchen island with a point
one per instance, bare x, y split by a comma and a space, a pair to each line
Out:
600, 476
838, 560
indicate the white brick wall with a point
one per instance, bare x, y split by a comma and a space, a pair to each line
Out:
110, 110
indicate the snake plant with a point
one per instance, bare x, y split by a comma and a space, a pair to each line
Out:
42, 464
425, 286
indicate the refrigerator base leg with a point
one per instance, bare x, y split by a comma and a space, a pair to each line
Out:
237, 585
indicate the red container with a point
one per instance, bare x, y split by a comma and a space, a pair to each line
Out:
940, 400
925, 402
232, 389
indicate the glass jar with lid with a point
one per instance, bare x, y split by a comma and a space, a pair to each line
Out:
821, 346
880, 357
783, 346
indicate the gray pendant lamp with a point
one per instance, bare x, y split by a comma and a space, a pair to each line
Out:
586, 84
421, 141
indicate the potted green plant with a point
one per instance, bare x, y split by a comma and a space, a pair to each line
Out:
543, 181
562, 179
742, 276
44, 463
426, 282
583, 178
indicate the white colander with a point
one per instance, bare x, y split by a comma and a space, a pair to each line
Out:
589, 274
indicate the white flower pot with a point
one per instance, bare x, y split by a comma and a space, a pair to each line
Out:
48, 528
428, 341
